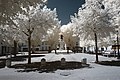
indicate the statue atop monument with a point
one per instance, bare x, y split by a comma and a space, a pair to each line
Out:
62, 44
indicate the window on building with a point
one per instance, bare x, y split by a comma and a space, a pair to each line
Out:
76, 43
46, 48
42, 43
42, 48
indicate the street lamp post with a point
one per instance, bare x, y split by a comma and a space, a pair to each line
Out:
118, 45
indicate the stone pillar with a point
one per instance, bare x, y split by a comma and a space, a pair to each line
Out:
8, 62
43, 62
63, 61
84, 61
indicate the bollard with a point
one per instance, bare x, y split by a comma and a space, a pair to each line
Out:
43, 62
84, 61
63, 61
8, 62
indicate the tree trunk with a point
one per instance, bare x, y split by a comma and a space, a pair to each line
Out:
29, 49
49, 50
15, 48
118, 48
106, 48
96, 50
68, 50
55, 51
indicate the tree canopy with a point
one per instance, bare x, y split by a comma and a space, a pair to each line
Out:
9, 9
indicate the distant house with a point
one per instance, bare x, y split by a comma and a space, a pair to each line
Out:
5, 49
23, 48
115, 47
43, 46
77, 45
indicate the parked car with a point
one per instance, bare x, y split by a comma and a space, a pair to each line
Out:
109, 53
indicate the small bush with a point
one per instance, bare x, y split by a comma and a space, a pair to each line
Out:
110, 63
2, 64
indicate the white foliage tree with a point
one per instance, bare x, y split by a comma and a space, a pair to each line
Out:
10, 36
94, 21
70, 36
9, 9
53, 37
114, 8
37, 23
9, 12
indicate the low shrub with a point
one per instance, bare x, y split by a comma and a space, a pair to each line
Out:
2, 64
110, 63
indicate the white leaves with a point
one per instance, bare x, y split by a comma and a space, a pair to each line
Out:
94, 17
11, 8
41, 20
70, 36
53, 37
37, 20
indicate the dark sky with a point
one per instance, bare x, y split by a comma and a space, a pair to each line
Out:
65, 8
